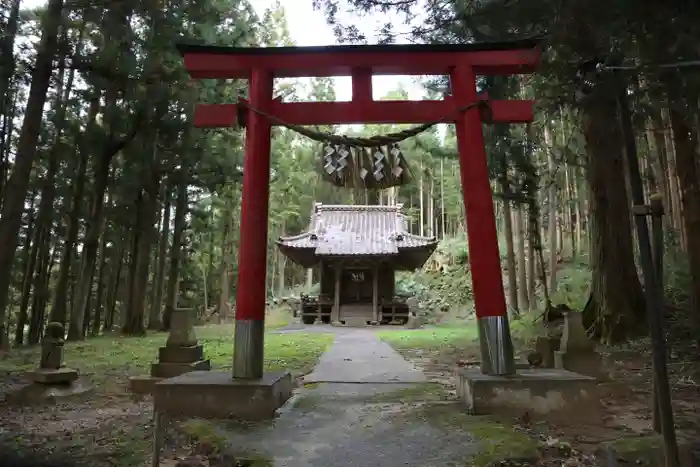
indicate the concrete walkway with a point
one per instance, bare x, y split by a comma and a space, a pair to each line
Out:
346, 415
359, 356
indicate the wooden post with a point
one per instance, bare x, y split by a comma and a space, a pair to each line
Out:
662, 409
375, 284
335, 314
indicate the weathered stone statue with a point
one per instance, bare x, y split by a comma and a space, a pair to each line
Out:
577, 351
51, 380
182, 328
52, 347
51, 371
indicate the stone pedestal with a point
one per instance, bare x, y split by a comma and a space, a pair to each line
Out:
51, 380
216, 395
577, 352
57, 376
174, 361
551, 394
181, 354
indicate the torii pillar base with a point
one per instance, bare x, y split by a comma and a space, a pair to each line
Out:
496, 346
215, 395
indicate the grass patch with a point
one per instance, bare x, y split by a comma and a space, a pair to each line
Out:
108, 360
431, 339
276, 318
211, 442
641, 443
206, 436
132, 445
495, 441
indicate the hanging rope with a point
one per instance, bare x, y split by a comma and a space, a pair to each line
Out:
374, 162
372, 141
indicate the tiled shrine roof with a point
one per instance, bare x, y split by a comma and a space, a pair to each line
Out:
357, 230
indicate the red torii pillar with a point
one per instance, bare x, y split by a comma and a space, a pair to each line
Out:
461, 62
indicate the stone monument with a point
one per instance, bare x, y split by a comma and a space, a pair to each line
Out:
577, 351
181, 353
51, 379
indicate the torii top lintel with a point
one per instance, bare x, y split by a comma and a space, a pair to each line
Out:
486, 58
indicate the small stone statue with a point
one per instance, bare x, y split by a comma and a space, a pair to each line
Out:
52, 347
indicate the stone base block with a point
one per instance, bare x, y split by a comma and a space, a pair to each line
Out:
143, 385
42, 393
173, 354
544, 393
217, 395
170, 370
585, 363
356, 322
60, 376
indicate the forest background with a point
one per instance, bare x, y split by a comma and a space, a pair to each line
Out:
115, 210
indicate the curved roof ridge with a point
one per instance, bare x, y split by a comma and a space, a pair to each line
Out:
358, 207
296, 237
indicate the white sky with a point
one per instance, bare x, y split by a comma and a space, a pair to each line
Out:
308, 27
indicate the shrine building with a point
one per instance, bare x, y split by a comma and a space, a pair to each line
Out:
357, 250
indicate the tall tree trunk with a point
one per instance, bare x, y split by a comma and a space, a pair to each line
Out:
7, 70
421, 206
281, 269
99, 293
431, 206
154, 320
616, 307
145, 231
91, 245
227, 262
443, 216
176, 247
510, 248
674, 189
531, 267
552, 210
685, 141
30, 254
44, 225
117, 261
523, 298
16, 190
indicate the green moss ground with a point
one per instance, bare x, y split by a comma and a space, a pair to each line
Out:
108, 360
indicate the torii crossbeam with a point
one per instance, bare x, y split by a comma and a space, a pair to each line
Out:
462, 63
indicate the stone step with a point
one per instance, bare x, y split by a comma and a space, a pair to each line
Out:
356, 322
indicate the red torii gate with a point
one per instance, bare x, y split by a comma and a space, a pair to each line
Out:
462, 63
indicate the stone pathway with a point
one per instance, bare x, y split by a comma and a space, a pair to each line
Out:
350, 413
360, 357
